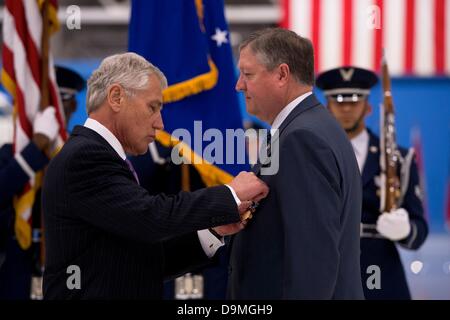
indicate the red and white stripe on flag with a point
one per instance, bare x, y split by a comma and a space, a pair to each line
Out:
414, 33
21, 76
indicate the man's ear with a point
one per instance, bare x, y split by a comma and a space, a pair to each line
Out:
283, 74
115, 97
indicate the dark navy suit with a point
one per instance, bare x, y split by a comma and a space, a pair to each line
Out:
16, 264
380, 251
303, 240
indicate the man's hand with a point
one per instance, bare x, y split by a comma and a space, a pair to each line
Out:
41, 141
45, 128
248, 187
243, 207
394, 225
230, 229
246, 209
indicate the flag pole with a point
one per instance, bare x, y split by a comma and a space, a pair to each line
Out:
36, 280
44, 56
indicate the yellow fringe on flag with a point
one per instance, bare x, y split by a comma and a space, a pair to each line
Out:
9, 84
192, 86
196, 84
23, 232
200, 14
21, 205
210, 174
52, 16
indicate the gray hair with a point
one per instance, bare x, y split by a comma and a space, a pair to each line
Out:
129, 70
275, 46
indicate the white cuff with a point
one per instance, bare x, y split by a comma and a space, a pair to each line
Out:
209, 242
24, 165
238, 201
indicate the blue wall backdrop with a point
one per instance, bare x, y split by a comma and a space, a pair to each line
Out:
422, 103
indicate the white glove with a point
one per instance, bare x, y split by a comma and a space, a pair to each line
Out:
394, 225
45, 123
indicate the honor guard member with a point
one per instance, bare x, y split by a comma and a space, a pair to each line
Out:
18, 266
346, 90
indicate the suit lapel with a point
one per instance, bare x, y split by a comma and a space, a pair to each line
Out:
308, 103
91, 134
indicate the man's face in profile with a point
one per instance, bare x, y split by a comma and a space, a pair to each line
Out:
258, 85
142, 117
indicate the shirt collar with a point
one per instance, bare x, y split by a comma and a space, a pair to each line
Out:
284, 113
107, 135
360, 142
360, 145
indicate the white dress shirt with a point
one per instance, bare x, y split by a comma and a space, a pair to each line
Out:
107, 135
360, 145
208, 241
286, 111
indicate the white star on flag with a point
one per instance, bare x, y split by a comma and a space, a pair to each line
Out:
220, 37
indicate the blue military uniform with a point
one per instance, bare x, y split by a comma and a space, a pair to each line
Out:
351, 85
17, 266
376, 250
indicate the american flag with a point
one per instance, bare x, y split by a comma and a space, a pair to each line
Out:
414, 33
21, 76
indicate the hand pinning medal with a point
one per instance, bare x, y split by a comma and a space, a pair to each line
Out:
247, 215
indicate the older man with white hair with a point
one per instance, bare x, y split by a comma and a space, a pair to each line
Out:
106, 237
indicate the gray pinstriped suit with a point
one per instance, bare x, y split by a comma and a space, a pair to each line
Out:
98, 218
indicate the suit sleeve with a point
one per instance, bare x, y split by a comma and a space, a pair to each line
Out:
412, 202
103, 193
308, 192
12, 176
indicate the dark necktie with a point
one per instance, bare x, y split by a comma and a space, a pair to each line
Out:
268, 149
264, 153
132, 170
268, 145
